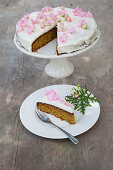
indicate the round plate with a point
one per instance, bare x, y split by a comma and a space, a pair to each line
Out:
34, 125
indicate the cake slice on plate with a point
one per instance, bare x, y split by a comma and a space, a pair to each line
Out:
52, 103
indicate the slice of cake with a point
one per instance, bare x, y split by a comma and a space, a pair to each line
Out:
52, 103
73, 28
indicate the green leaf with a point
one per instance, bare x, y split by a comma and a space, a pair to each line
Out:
83, 100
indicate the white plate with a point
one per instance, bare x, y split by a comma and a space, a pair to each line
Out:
34, 125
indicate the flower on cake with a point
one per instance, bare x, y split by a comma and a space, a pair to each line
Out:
67, 104
26, 16
62, 101
68, 19
41, 15
53, 16
63, 38
62, 7
30, 29
78, 12
46, 19
23, 23
53, 96
59, 12
48, 22
35, 21
47, 9
72, 30
64, 16
88, 14
42, 25
61, 27
82, 24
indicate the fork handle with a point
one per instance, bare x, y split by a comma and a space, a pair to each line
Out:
72, 138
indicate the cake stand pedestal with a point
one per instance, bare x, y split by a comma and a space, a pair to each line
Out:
59, 66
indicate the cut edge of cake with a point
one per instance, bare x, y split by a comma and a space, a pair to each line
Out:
57, 112
44, 39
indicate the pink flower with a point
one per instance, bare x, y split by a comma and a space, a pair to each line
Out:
62, 7
39, 15
48, 22
62, 101
47, 93
63, 38
47, 9
33, 21
77, 11
59, 12
30, 29
67, 104
56, 97
23, 23
82, 24
42, 25
89, 14
69, 19
61, 27
26, 16
50, 92
72, 30
52, 95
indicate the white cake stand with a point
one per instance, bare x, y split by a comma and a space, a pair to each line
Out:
59, 66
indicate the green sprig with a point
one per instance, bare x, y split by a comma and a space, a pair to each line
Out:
81, 98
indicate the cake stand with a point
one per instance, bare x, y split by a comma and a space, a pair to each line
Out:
59, 66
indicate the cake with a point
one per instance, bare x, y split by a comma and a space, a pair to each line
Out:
52, 103
73, 28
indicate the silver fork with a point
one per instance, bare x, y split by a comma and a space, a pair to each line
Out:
44, 118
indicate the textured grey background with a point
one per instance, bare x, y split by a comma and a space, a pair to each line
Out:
20, 75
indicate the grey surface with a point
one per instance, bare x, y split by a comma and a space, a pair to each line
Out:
20, 75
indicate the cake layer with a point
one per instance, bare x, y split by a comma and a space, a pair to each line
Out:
57, 112
44, 39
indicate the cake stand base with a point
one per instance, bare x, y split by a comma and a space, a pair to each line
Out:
59, 68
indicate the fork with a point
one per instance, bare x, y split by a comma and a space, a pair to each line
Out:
44, 118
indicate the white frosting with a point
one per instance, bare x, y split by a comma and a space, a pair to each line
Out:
27, 39
57, 104
55, 99
74, 42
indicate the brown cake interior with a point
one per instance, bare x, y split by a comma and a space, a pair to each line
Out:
57, 112
44, 39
